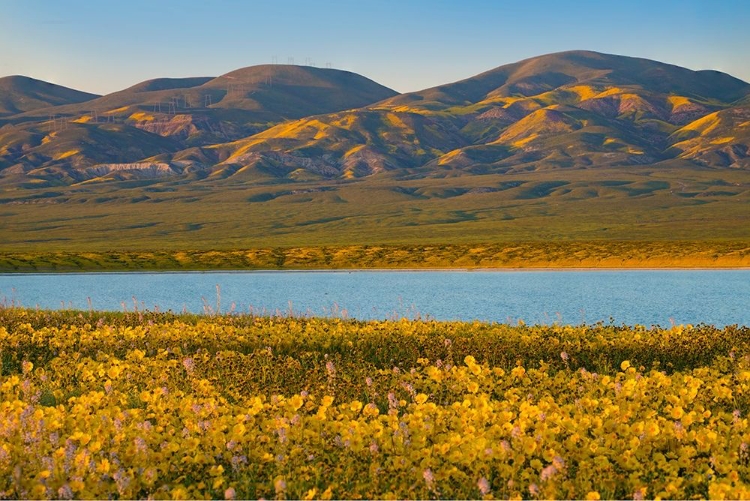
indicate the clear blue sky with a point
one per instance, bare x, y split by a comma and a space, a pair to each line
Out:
106, 45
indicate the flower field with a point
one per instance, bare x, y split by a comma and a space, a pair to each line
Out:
135, 405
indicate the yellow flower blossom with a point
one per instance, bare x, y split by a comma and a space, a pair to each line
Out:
109, 409
296, 402
677, 412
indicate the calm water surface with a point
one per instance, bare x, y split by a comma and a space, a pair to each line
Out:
570, 297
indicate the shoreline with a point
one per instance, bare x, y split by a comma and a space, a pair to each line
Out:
500, 257
544, 269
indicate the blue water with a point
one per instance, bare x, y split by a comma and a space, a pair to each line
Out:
567, 297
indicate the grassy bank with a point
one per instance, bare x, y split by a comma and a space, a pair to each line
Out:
179, 406
620, 254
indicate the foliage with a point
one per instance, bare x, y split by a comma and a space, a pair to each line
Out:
159, 405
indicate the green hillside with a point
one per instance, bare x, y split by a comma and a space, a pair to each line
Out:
19, 94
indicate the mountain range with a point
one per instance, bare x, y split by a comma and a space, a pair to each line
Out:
575, 144
278, 122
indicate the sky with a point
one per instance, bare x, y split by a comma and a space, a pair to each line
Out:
102, 46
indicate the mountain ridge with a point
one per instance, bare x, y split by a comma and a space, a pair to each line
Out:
572, 109
521, 115
502, 79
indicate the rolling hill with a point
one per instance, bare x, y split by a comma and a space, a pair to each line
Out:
189, 111
572, 109
20, 94
249, 98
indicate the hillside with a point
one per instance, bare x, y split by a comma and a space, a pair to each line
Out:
20, 94
191, 112
567, 70
578, 109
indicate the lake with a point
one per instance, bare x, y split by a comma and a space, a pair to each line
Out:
646, 297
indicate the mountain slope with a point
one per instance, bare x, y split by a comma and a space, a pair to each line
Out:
720, 139
20, 94
78, 153
351, 144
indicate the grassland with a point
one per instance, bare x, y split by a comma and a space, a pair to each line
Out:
136, 405
569, 218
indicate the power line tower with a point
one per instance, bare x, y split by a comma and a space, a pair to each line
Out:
290, 60
207, 100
